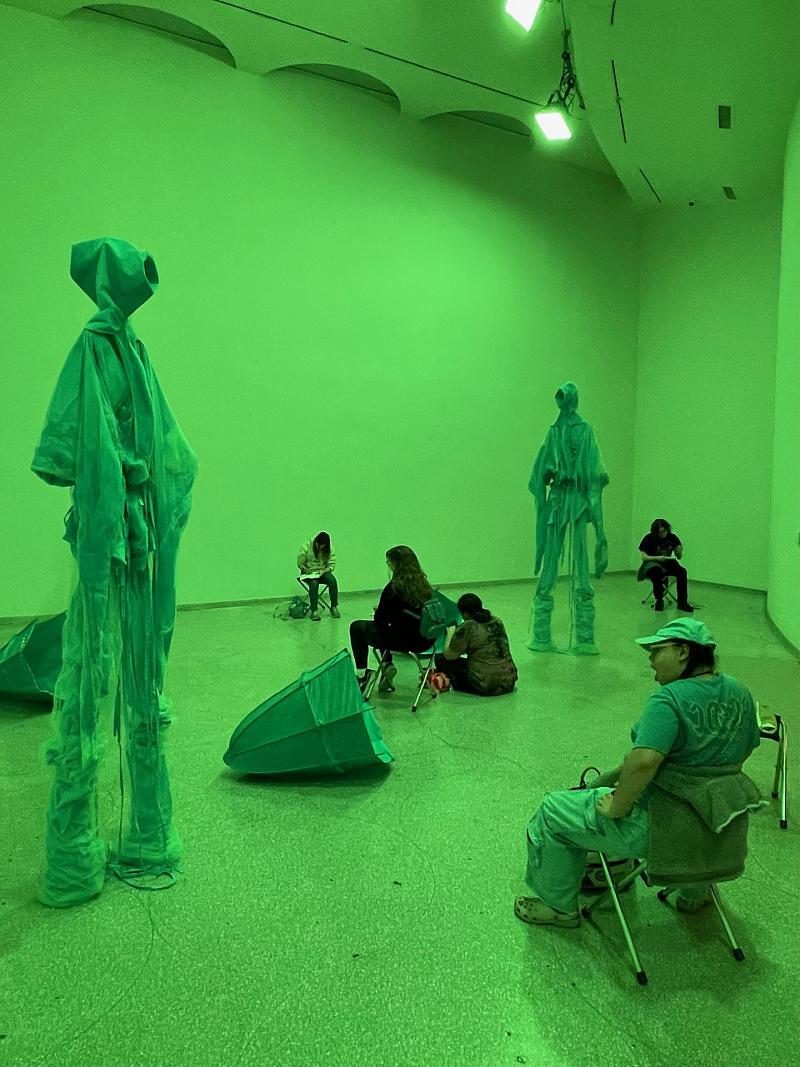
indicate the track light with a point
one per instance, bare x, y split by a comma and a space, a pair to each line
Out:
552, 118
523, 11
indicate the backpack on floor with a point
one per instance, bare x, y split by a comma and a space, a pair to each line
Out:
297, 608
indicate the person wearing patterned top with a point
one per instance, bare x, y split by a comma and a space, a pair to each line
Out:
477, 657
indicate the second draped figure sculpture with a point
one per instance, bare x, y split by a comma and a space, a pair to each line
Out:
567, 483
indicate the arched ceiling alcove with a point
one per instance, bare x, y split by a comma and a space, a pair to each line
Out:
684, 101
170, 25
495, 119
359, 79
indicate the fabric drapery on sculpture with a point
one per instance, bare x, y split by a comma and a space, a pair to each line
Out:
111, 437
567, 483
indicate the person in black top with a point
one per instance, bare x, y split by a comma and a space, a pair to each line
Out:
661, 549
396, 622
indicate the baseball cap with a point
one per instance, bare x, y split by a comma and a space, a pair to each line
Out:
681, 630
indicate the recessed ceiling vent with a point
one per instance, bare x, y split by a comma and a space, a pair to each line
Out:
724, 117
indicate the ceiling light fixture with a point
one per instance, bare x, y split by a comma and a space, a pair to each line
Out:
552, 118
523, 11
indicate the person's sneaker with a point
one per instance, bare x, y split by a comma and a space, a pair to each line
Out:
314, 616
659, 605
535, 911
685, 607
386, 684
335, 613
364, 682
693, 904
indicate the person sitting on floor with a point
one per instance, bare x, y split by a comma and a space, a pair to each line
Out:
699, 720
316, 560
657, 548
488, 668
396, 623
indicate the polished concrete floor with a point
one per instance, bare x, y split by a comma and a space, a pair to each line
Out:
368, 920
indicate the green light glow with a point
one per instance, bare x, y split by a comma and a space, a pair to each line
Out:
523, 11
553, 125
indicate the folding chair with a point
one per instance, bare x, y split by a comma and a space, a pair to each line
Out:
429, 627
669, 596
423, 660
639, 870
323, 591
776, 732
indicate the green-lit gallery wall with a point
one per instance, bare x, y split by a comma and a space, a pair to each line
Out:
784, 569
363, 320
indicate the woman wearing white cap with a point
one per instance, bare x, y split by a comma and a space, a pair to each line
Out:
699, 720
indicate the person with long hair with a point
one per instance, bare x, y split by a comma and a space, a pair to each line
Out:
477, 657
316, 560
661, 549
395, 625
689, 744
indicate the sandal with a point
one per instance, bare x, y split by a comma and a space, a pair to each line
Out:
534, 911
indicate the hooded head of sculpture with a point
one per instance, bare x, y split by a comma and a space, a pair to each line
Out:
114, 274
567, 398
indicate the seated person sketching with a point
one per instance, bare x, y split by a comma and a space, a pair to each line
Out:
661, 549
699, 720
477, 658
316, 560
396, 622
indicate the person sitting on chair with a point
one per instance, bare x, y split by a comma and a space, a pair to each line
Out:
657, 548
396, 623
488, 668
700, 720
316, 560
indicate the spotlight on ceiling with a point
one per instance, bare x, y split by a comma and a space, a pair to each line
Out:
523, 11
552, 118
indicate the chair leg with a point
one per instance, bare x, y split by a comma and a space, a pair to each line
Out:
641, 976
779, 783
424, 672
623, 883
777, 734
738, 954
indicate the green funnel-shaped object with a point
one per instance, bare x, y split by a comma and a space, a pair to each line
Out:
31, 660
321, 723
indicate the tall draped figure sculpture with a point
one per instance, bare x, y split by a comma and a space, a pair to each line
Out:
567, 482
110, 435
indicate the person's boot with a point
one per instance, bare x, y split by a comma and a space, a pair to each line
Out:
386, 683
659, 604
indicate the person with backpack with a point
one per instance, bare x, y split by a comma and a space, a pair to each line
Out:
395, 625
316, 560
477, 657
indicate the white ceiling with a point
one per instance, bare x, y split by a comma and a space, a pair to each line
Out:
676, 61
